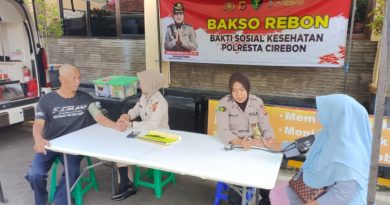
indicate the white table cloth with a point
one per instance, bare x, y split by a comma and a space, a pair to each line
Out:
195, 154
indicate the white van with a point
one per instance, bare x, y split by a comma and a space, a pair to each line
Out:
18, 63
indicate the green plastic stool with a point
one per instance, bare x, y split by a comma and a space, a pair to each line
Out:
79, 190
157, 179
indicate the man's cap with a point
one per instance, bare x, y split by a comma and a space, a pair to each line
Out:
178, 7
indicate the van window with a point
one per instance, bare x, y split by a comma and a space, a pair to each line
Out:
14, 42
15, 49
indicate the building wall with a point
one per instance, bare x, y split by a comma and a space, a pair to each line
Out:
285, 81
132, 6
97, 58
102, 57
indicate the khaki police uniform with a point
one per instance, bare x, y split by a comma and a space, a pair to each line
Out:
187, 42
154, 113
232, 122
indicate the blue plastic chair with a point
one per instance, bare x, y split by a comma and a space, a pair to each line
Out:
221, 193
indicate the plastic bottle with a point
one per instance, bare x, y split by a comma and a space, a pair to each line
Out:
26, 74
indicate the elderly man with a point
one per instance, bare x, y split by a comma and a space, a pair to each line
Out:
180, 36
58, 113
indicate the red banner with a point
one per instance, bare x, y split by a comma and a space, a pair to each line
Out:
259, 32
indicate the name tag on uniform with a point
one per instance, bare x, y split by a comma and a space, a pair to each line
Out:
253, 114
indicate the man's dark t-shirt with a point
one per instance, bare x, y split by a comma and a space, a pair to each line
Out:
64, 115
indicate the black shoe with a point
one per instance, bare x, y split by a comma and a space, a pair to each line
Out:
123, 194
265, 202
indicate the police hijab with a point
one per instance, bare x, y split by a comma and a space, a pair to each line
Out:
244, 80
342, 148
151, 81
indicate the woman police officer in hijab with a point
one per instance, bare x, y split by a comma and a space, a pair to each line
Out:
153, 110
242, 120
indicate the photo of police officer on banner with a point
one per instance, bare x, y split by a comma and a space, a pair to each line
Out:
180, 36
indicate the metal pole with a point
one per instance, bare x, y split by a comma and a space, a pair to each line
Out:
88, 18
257, 192
35, 15
349, 46
114, 178
159, 36
118, 18
2, 199
243, 196
379, 106
61, 8
1, 41
67, 179
82, 174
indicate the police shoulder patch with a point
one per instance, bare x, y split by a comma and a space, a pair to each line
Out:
221, 109
264, 110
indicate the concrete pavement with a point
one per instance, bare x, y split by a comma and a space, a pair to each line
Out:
16, 154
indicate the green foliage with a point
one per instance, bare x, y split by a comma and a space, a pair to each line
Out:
378, 13
49, 21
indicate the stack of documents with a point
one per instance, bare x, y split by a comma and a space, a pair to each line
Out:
161, 137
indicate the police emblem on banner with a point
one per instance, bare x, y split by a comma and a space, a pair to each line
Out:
229, 6
256, 4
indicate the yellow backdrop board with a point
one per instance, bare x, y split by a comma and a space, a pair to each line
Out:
291, 123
